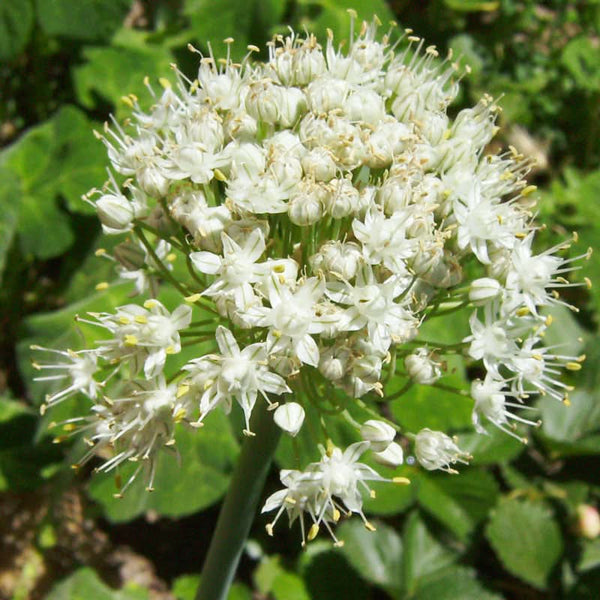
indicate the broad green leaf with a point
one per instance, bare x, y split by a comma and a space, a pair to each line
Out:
581, 57
574, 422
242, 21
84, 584
423, 554
590, 555
458, 501
496, 447
272, 579
207, 458
318, 562
111, 73
455, 583
186, 586
464, 46
10, 195
333, 14
16, 21
83, 19
391, 498
526, 538
376, 555
58, 159
473, 5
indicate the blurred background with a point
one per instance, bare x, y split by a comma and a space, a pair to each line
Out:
520, 523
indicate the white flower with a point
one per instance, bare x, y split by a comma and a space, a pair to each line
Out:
144, 335
436, 450
77, 368
491, 403
236, 270
289, 417
234, 374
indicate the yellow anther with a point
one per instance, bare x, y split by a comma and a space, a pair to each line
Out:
170, 350
373, 494
124, 320
523, 311
401, 480
101, 286
127, 100
172, 257
573, 366
312, 532
529, 190
290, 500
588, 283
269, 529
219, 175
165, 83
100, 252
69, 427
141, 319
131, 340
549, 320
182, 390
150, 304
370, 526
193, 298
336, 515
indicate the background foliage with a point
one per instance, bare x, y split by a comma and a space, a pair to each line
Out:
507, 527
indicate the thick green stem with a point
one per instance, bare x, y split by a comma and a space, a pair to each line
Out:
239, 509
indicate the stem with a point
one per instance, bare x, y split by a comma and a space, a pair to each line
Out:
238, 510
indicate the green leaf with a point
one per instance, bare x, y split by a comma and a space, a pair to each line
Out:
207, 458
58, 159
84, 584
114, 72
526, 538
83, 19
473, 5
423, 554
10, 194
242, 21
16, 21
186, 586
494, 448
581, 57
590, 555
459, 502
317, 564
456, 583
376, 555
333, 14
271, 578
574, 422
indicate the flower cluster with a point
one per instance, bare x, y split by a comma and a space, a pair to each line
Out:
322, 206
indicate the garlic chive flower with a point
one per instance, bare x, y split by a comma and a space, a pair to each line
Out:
291, 226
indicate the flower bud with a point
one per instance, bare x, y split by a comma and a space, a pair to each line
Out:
115, 212
289, 417
318, 163
130, 255
422, 368
334, 362
588, 521
378, 433
392, 456
484, 290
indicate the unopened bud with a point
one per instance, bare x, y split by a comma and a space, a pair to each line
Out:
289, 417
115, 212
484, 290
378, 433
392, 456
588, 521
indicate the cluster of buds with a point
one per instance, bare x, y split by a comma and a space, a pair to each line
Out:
322, 206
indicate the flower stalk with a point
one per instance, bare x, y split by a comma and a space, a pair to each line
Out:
239, 508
